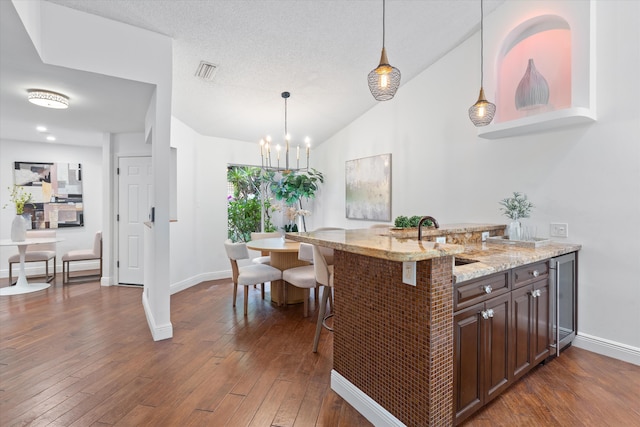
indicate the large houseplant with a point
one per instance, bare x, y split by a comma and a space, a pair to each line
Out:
244, 206
290, 187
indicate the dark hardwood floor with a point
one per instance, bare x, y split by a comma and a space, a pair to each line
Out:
82, 355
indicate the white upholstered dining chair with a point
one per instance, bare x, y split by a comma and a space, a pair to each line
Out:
78, 255
265, 258
324, 277
249, 274
302, 277
37, 253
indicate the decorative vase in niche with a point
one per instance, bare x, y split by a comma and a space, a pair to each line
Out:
19, 229
533, 89
515, 230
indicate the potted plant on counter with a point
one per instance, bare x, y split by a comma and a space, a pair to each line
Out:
408, 226
516, 208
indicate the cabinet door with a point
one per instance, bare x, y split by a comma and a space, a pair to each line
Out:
496, 358
467, 387
541, 332
521, 331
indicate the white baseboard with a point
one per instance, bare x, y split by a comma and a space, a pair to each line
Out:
158, 333
196, 280
609, 348
38, 268
369, 408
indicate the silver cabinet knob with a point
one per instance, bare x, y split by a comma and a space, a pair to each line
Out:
487, 289
536, 293
486, 314
535, 273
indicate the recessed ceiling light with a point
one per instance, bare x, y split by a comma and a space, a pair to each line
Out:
45, 98
41, 128
51, 138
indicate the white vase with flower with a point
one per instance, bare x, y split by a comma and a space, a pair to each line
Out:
516, 208
19, 198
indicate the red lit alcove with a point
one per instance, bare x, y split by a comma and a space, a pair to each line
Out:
547, 40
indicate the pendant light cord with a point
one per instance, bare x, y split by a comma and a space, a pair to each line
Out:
481, 44
383, 21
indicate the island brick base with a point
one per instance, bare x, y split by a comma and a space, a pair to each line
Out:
394, 341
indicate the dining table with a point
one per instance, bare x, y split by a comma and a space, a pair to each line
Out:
284, 255
22, 286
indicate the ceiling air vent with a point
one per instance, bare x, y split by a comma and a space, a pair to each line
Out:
206, 71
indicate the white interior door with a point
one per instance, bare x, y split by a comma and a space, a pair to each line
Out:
135, 182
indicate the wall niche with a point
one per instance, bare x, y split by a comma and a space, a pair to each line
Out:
542, 75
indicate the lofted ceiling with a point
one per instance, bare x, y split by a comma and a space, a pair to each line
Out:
319, 50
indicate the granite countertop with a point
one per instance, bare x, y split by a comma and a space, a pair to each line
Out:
378, 244
491, 257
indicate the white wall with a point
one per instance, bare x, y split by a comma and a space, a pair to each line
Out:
92, 179
588, 177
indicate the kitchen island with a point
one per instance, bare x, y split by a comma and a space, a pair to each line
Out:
394, 342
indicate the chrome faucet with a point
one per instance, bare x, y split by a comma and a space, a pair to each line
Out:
423, 219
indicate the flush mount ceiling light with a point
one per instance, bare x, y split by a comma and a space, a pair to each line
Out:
385, 79
481, 113
46, 98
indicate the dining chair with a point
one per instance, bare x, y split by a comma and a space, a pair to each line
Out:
302, 277
249, 274
264, 257
324, 278
327, 252
37, 253
95, 253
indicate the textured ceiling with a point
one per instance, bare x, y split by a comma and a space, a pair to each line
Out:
321, 51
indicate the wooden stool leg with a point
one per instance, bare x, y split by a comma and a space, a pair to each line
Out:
246, 299
235, 289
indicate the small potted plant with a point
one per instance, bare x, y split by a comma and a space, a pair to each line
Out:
516, 208
19, 198
408, 226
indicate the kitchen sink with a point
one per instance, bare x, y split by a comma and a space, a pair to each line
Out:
463, 261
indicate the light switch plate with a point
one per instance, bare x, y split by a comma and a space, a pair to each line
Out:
485, 236
559, 230
409, 272
441, 239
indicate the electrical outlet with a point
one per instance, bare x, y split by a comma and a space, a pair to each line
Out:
485, 236
409, 272
441, 239
559, 230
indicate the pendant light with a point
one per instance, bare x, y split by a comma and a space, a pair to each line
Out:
385, 79
481, 113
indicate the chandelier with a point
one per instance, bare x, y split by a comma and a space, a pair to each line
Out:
266, 146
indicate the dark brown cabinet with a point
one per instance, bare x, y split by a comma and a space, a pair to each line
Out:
530, 326
500, 337
481, 354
